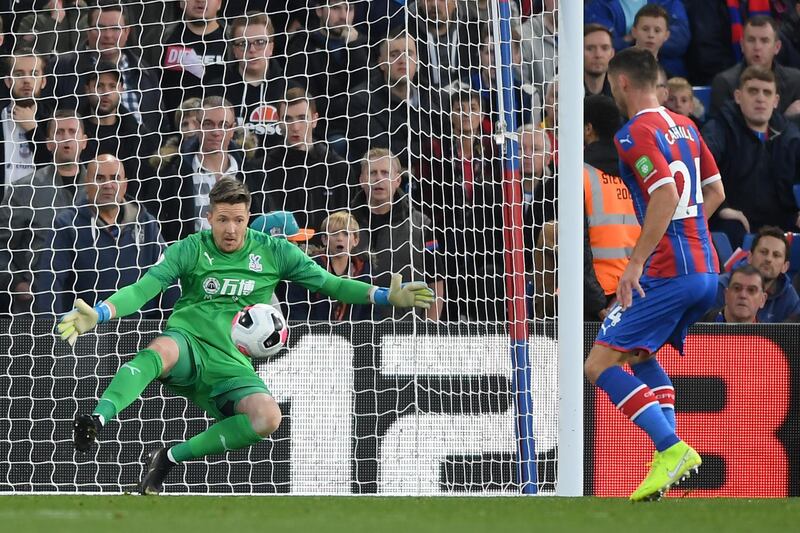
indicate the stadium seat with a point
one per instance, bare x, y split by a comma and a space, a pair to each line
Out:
723, 245
796, 190
703, 93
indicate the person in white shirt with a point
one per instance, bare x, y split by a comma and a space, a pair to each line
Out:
22, 140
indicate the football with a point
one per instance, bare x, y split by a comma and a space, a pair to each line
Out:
259, 331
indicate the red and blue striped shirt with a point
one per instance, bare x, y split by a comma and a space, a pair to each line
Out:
658, 147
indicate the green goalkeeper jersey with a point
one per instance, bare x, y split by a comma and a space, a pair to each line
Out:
216, 285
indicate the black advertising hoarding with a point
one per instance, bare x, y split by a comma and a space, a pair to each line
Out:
387, 409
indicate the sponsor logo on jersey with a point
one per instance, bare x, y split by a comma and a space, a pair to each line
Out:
645, 167
678, 132
237, 287
255, 263
211, 285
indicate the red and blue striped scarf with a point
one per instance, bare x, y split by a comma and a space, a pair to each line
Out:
753, 7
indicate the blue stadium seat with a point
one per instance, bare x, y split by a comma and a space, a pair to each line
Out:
796, 190
703, 93
723, 245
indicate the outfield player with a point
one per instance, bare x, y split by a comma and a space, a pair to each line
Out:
671, 278
220, 270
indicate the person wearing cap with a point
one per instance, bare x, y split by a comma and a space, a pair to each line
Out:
282, 224
110, 127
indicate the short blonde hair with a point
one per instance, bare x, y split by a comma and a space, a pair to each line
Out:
190, 106
380, 153
339, 221
678, 84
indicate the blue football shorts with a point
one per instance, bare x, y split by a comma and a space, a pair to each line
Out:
669, 307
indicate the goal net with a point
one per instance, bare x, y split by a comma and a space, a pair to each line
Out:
417, 138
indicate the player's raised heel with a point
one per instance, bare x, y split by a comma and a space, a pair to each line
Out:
669, 467
84, 431
156, 467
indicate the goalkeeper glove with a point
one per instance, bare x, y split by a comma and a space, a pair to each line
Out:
414, 294
82, 319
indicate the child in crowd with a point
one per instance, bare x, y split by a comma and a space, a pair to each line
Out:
339, 237
682, 100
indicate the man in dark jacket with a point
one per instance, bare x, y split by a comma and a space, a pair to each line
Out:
98, 247
106, 39
770, 255
710, 49
31, 205
382, 110
396, 235
329, 58
305, 176
758, 153
111, 128
760, 45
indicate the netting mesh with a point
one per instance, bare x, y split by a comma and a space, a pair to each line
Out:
382, 126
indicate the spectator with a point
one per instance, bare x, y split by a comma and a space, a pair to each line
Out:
539, 206
22, 138
31, 205
99, 247
329, 58
56, 28
340, 237
760, 45
187, 118
484, 80
712, 48
769, 254
446, 48
111, 128
538, 43
480, 12
179, 197
618, 16
106, 39
789, 54
470, 185
598, 50
305, 176
194, 54
744, 298
682, 100
662, 86
758, 153
253, 82
396, 235
611, 225
283, 225
650, 28
382, 110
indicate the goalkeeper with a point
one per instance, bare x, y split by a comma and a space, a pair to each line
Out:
220, 270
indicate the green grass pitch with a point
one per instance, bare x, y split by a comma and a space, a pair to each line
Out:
240, 514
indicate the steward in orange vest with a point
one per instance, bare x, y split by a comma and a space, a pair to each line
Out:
613, 227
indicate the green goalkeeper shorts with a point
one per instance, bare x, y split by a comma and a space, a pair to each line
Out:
209, 378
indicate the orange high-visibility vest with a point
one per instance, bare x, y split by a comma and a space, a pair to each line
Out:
613, 227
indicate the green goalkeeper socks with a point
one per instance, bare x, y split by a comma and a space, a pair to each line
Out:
229, 434
128, 383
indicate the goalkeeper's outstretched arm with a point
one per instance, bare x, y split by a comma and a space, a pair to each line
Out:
125, 301
398, 294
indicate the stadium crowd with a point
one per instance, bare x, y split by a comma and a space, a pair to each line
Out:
366, 131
